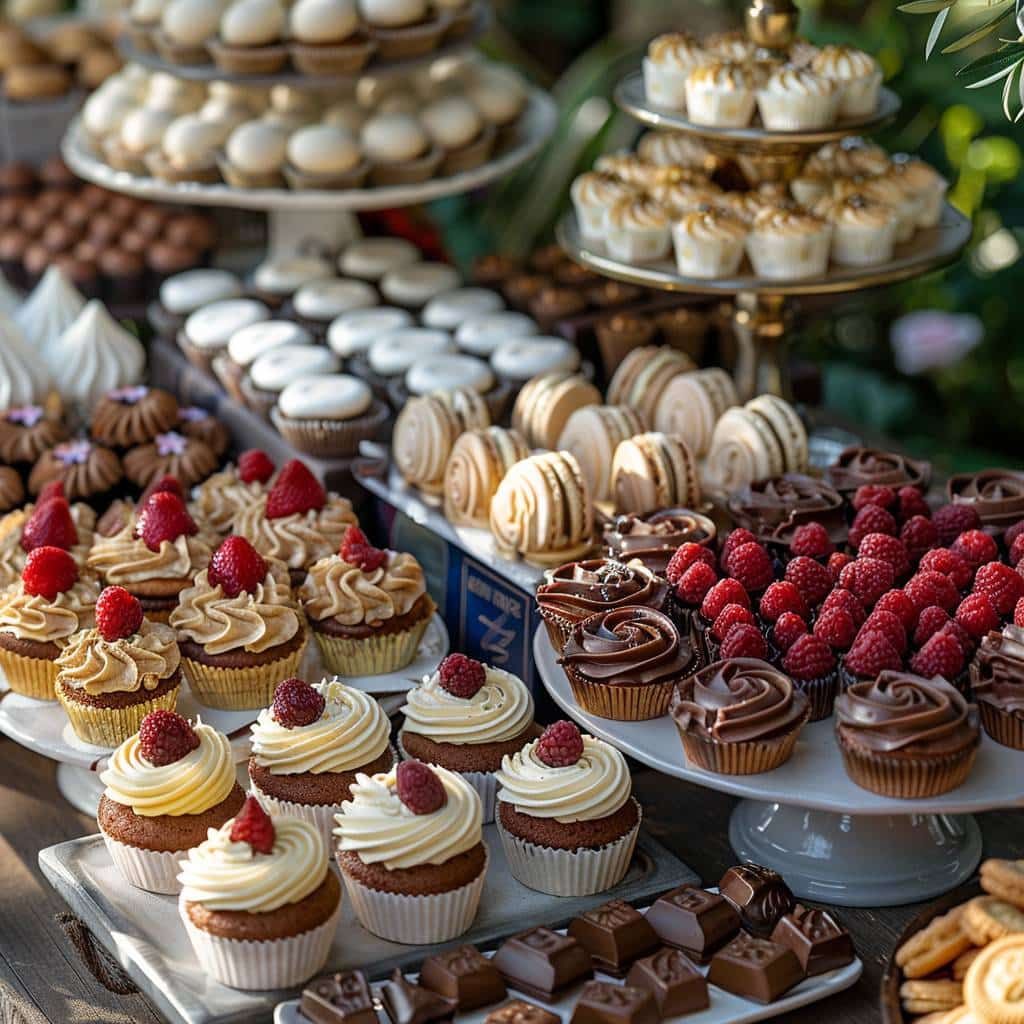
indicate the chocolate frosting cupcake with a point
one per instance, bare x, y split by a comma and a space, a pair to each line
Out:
997, 495
653, 539
997, 680
857, 466
26, 432
773, 509
130, 416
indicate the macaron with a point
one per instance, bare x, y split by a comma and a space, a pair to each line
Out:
476, 466
592, 435
653, 471
643, 375
545, 403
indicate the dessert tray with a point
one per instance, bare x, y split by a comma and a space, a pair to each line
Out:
145, 935
830, 839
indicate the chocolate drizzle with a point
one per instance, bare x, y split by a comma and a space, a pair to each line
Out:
577, 590
653, 539
857, 466
772, 509
997, 495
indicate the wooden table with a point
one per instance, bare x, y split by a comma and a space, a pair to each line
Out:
37, 961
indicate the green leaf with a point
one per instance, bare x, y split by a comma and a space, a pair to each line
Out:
926, 6
990, 62
935, 32
1007, 90
1002, 73
979, 33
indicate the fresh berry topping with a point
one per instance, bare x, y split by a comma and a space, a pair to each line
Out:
887, 549
912, 503
788, 628
931, 620
118, 614
871, 519
809, 658
940, 656
1013, 532
873, 494
1003, 586
419, 787
838, 561
926, 587
54, 489
462, 676
743, 641
836, 627
163, 485
976, 615
296, 703
961, 636
236, 566
848, 601
50, 525
888, 624
252, 825
752, 566
48, 572
694, 584
358, 551
900, 605
164, 518
918, 535
166, 737
976, 547
952, 520
729, 616
255, 466
870, 654
950, 564
1018, 613
782, 597
724, 592
685, 556
295, 492
811, 578
868, 578
1017, 549
812, 540
732, 542
560, 744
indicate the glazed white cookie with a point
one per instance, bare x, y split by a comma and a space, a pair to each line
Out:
186, 292
371, 258
415, 284
450, 310
325, 300
276, 369
446, 372
249, 343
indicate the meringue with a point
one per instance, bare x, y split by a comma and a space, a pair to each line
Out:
24, 377
50, 309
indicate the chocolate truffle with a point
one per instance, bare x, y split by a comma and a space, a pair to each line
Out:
759, 895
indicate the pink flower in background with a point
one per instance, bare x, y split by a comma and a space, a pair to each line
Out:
931, 339
171, 444
26, 415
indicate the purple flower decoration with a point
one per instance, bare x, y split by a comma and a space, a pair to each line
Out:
128, 395
171, 444
192, 414
73, 453
26, 415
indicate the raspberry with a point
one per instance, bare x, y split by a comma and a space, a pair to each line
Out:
255, 466
836, 563
118, 614
952, 520
695, 583
961, 636
900, 605
236, 566
788, 628
731, 543
889, 625
357, 550
918, 535
164, 518
782, 597
870, 654
166, 737
48, 572
836, 627
950, 564
932, 619
295, 491
164, 484
1018, 613
873, 494
1016, 549
724, 592
912, 503
462, 676
940, 656
296, 703
809, 658
54, 489
751, 565
685, 556
419, 787
1003, 586
743, 641
811, 578
1013, 532
925, 588
868, 578
252, 825
50, 525
976, 547
812, 540
728, 617
976, 615
848, 601
871, 519
887, 549
560, 744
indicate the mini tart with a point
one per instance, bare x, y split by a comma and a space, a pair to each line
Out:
131, 416
89, 472
26, 432
108, 687
187, 459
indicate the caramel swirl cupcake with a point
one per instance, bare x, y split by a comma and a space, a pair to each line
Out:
652, 540
670, 59
676, 149
51, 523
856, 466
857, 76
797, 99
220, 498
732, 44
997, 495
863, 231
682, 197
787, 244
997, 682
709, 243
721, 93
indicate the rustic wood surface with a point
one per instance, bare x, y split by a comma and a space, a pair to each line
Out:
37, 962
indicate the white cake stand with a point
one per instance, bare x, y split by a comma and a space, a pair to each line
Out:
831, 840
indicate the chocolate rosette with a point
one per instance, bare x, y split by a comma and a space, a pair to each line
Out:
997, 495
772, 509
856, 466
623, 664
653, 539
997, 681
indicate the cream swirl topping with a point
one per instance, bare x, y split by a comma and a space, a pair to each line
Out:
788, 222
198, 781
125, 559
253, 622
638, 212
721, 74
376, 825
297, 540
335, 589
33, 617
677, 50
595, 786
844, 62
712, 226
352, 732
225, 875
221, 497
684, 196
140, 661
799, 80
500, 710
854, 211
595, 188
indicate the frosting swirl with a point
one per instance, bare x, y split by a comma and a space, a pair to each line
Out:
997, 672
596, 786
997, 495
595, 188
676, 50
300, 539
799, 81
854, 211
652, 540
335, 589
577, 590
738, 700
377, 826
221, 497
352, 732
638, 212
195, 783
33, 617
500, 710
791, 223
772, 509
125, 559
721, 74
140, 661
902, 712
856, 466
12, 527
843, 62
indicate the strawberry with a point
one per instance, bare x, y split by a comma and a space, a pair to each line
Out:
836, 627
236, 566
118, 614
812, 540
788, 628
560, 744
952, 520
743, 641
48, 572
940, 656
164, 518
358, 551
685, 556
255, 466
162, 485
295, 492
165, 737
810, 577
752, 566
1003, 586
1018, 613
50, 525
461, 676
780, 597
729, 616
724, 592
253, 825
54, 489
809, 658
976, 615
419, 788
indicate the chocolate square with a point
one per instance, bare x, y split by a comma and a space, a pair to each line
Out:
759, 895
614, 934
406, 1003
541, 962
519, 1011
342, 998
604, 1002
821, 944
755, 968
671, 977
465, 975
694, 920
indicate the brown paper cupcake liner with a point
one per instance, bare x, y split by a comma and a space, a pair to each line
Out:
558, 628
906, 778
347, 58
109, 727
408, 172
821, 692
1005, 727
373, 655
409, 41
248, 60
302, 181
750, 758
622, 703
471, 156
31, 677
331, 439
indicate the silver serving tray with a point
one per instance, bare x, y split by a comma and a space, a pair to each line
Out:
144, 933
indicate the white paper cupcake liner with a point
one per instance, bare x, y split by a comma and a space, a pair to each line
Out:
485, 784
416, 920
791, 112
711, 257
858, 97
638, 245
269, 963
665, 86
725, 108
862, 247
151, 870
568, 872
591, 218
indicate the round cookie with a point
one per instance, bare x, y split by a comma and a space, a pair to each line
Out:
992, 985
643, 375
320, 302
692, 403
412, 286
481, 335
393, 354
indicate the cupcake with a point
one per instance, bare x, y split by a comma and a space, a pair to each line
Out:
721, 94
109, 678
708, 243
811, 665
220, 498
996, 682
905, 736
467, 717
87, 471
166, 787
921, 179
857, 75
738, 717
863, 231
26, 431
38, 615
637, 230
126, 417
197, 423
796, 99
565, 813
669, 61
653, 539
368, 608
593, 195
258, 902
411, 853
310, 744
788, 244
187, 459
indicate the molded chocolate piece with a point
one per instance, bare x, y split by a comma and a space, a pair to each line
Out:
759, 895
694, 920
614, 934
464, 975
676, 984
754, 968
541, 962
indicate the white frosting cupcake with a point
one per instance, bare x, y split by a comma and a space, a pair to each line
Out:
451, 122
785, 244
371, 258
323, 150
446, 372
284, 277
276, 369
185, 293
670, 59
720, 93
356, 331
414, 285
394, 138
857, 75
523, 358
257, 148
323, 22
451, 309
211, 327
322, 301
796, 99
481, 335
593, 195
334, 396
393, 13
638, 230
709, 244
247, 344
392, 354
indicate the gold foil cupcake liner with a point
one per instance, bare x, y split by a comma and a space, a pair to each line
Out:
372, 655
31, 677
110, 727
1005, 727
749, 758
907, 778
623, 703
332, 439
558, 628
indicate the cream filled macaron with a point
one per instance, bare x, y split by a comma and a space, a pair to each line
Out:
393, 354
481, 335
185, 293
451, 309
284, 277
393, 13
323, 149
356, 331
257, 147
452, 122
394, 138
413, 286
323, 301
371, 258
523, 358
323, 22
276, 369
249, 343
212, 326
446, 372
